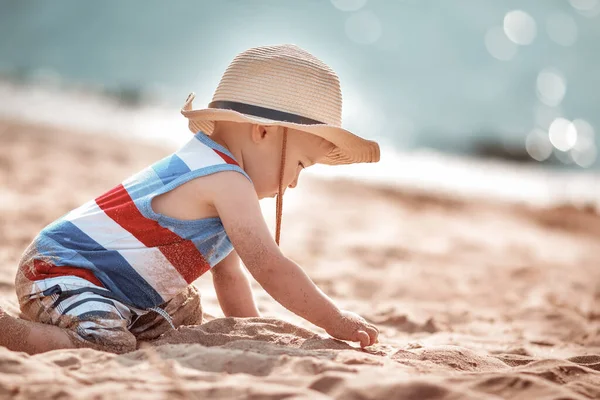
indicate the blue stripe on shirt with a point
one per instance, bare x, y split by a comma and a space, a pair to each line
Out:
170, 168
117, 272
143, 183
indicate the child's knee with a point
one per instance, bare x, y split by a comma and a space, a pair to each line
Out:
186, 307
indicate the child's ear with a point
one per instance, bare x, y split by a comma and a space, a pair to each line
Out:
259, 132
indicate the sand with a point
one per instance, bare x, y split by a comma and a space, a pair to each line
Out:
475, 299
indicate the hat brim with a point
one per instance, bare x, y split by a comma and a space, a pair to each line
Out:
349, 148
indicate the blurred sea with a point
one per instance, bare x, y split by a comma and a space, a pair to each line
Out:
513, 79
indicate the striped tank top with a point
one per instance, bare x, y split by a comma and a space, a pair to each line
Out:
118, 242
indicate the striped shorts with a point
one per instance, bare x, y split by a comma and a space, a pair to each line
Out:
93, 317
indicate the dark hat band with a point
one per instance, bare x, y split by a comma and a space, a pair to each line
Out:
263, 112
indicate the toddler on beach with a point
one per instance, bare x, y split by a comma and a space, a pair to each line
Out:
119, 269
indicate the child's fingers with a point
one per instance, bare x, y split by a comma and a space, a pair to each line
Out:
363, 338
373, 334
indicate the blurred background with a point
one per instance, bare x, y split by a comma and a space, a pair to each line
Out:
469, 99
516, 80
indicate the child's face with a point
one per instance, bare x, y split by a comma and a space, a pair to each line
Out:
263, 167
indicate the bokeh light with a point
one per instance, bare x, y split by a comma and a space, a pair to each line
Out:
583, 5
551, 87
499, 45
584, 158
348, 5
520, 27
584, 153
562, 29
363, 27
538, 145
586, 136
587, 8
562, 134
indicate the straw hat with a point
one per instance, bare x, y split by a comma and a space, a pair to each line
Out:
287, 86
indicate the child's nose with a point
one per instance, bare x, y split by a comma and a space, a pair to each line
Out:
293, 184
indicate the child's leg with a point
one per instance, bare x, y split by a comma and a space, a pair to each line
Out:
31, 337
73, 307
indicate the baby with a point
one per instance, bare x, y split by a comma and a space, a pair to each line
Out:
119, 269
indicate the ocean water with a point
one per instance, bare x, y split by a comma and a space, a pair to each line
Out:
416, 169
419, 76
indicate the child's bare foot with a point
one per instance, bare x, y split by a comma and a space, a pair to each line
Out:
31, 337
11, 334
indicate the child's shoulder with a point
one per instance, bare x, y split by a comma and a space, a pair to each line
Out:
205, 196
223, 184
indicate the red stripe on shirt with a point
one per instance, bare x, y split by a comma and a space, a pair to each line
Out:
181, 253
226, 158
43, 270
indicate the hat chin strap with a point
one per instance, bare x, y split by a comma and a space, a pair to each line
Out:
279, 207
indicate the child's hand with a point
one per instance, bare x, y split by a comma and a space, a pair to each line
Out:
352, 327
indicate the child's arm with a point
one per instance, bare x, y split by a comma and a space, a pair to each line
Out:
236, 202
233, 288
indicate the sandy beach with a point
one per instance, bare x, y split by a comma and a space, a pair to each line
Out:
474, 299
